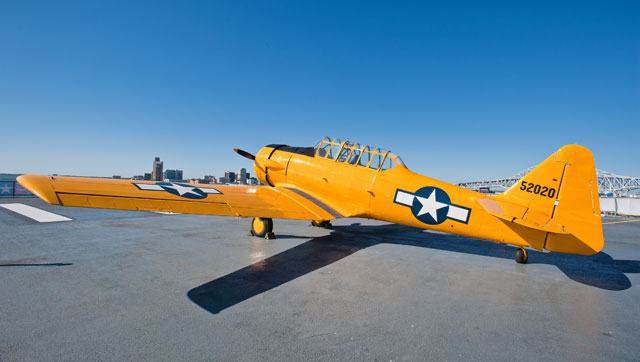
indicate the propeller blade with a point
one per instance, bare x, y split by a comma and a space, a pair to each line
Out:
244, 154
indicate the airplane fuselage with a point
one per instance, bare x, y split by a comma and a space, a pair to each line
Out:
389, 195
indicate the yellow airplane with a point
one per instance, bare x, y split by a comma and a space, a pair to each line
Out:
554, 207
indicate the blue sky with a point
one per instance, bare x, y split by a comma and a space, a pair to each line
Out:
460, 90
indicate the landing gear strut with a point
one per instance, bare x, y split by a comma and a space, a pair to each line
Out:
322, 224
522, 256
262, 227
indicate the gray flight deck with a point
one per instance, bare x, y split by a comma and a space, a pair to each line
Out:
116, 285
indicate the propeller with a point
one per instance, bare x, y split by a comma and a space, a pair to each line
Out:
244, 154
271, 164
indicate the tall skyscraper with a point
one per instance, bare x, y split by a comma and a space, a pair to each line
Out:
242, 174
156, 171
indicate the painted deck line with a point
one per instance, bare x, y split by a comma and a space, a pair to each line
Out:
34, 213
166, 213
621, 222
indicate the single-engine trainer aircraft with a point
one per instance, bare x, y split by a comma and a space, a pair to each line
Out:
554, 207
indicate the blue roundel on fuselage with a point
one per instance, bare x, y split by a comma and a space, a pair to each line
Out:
431, 205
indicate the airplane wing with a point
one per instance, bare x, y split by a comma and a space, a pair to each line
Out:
224, 200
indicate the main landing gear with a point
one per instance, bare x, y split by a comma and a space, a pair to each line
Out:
262, 227
522, 256
322, 224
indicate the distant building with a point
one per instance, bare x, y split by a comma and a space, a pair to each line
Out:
173, 175
230, 177
147, 176
205, 180
242, 176
253, 181
116, 177
138, 177
156, 171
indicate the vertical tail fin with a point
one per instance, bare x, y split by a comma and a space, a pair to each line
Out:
564, 189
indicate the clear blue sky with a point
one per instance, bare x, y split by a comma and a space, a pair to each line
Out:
460, 90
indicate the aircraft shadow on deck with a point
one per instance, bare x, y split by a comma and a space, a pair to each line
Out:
600, 270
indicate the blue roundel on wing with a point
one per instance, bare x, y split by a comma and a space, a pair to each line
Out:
431, 205
182, 190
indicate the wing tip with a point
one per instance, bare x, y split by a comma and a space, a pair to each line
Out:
39, 186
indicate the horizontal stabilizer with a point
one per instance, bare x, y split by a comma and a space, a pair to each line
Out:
521, 215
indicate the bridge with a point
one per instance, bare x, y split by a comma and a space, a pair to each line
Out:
609, 184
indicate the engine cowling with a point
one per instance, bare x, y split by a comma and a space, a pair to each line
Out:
270, 165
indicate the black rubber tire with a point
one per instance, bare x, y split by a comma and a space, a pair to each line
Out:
261, 226
522, 256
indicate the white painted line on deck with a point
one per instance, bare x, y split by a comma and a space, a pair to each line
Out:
166, 213
621, 222
34, 213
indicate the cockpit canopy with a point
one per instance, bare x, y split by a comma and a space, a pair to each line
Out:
356, 154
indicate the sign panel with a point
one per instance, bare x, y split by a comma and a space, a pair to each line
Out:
6, 188
19, 190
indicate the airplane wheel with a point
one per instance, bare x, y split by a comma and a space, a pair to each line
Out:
261, 227
522, 256
322, 224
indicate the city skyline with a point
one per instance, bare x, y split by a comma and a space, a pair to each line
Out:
158, 173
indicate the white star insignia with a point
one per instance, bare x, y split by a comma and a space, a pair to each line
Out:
181, 190
430, 205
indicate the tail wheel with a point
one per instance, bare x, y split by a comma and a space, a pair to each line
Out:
522, 256
261, 226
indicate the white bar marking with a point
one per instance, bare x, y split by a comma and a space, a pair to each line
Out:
152, 187
458, 213
34, 213
404, 198
209, 191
